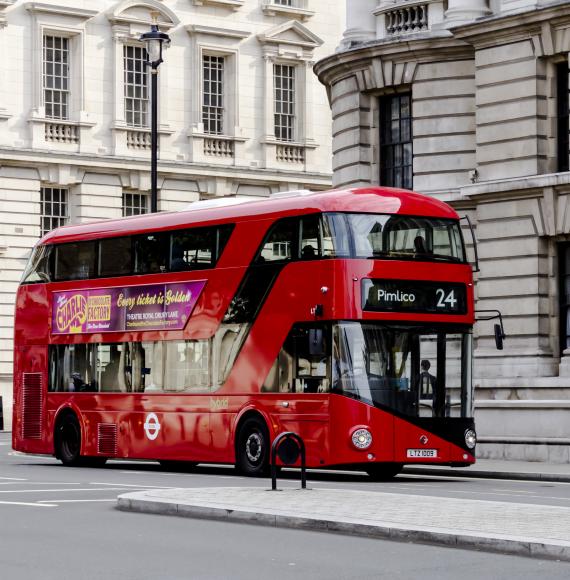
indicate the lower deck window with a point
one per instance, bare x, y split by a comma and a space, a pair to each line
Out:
304, 362
131, 367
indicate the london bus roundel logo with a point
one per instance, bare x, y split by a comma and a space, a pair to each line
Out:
151, 426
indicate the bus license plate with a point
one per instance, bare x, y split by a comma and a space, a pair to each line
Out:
422, 452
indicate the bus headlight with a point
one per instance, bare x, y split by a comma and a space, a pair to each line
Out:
361, 438
470, 438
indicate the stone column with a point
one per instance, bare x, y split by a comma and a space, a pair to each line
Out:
360, 22
464, 11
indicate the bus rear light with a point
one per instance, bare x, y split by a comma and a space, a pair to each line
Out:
470, 438
361, 438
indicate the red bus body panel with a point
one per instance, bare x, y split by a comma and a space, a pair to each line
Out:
201, 427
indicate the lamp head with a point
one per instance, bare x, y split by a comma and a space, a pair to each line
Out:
155, 42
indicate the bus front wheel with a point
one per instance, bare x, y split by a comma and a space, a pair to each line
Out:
68, 441
252, 449
384, 471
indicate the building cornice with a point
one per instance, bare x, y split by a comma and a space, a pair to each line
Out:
513, 27
198, 29
41, 8
530, 186
440, 47
171, 169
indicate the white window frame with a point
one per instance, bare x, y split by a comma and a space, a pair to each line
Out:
127, 26
146, 85
64, 92
127, 208
215, 114
280, 47
61, 219
47, 20
278, 104
221, 42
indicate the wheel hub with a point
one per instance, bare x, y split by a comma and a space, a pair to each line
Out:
253, 447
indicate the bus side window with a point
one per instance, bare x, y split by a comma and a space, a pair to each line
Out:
151, 253
310, 238
75, 261
115, 257
303, 363
40, 265
281, 243
192, 249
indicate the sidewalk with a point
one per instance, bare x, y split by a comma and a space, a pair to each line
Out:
498, 469
513, 528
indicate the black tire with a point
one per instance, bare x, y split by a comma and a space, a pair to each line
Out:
68, 441
384, 471
252, 448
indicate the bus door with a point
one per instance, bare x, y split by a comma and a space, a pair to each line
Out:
300, 383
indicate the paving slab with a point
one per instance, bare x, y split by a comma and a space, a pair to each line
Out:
514, 528
499, 469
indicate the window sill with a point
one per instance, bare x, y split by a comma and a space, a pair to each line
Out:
271, 9
231, 4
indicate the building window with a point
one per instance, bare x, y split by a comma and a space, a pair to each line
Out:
56, 77
136, 86
213, 95
54, 208
396, 140
283, 2
564, 293
134, 204
562, 127
284, 99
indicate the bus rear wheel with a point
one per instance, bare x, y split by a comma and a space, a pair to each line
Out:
252, 448
384, 471
68, 441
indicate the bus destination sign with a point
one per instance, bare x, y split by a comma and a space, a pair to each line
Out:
150, 307
413, 296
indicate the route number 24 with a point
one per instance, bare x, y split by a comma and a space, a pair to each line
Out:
446, 300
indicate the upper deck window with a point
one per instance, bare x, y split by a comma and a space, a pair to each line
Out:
405, 237
76, 261
150, 253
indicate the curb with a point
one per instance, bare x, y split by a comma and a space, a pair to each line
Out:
516, 475
448, 538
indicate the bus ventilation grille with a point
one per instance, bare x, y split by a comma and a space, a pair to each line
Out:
32, 405
107, 439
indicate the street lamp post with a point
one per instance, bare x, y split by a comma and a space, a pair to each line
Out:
155, 41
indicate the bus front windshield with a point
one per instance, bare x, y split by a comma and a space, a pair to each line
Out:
397, 237
413, 370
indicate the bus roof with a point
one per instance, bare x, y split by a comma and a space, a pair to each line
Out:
382, 200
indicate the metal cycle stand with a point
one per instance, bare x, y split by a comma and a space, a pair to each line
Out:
288, 456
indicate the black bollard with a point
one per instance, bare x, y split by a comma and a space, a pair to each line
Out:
288, 446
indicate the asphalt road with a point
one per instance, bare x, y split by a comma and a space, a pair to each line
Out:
62, 523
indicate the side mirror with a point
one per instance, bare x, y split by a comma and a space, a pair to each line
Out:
499, 336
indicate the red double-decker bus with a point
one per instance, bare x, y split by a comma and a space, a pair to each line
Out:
200, 335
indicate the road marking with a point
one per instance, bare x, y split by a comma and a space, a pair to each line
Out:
14, 478
133, 485
58, 501
66, 490
28, 504
39, 483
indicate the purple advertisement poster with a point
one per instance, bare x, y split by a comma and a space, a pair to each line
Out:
152, 307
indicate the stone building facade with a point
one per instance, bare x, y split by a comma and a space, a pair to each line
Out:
240, 113
467, 100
